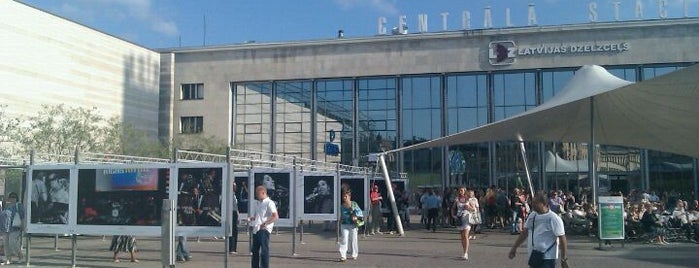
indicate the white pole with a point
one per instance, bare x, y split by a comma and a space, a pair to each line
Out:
389, 191
526, 167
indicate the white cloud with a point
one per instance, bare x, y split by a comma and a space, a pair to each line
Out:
121, 12
383, 6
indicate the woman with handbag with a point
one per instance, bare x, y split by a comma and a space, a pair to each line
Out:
460, 213
351, 217
13, 238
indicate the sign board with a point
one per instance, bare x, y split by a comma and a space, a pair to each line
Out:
611, 217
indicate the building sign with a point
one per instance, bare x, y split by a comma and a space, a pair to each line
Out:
506, 52
331, 148
640, 8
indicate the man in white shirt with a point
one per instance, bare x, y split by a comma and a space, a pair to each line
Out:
544, 230
264, 214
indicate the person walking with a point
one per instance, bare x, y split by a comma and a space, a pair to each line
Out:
545, 234
351, 215
233, 239
431, 204
13, 236
123, 243
376, 217
182, 253
474, 211
264, 214
460, 212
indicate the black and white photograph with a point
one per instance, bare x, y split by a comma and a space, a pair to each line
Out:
242, 193
318, 194
50, 196
356, 185
278, 189
121, 196
199, 196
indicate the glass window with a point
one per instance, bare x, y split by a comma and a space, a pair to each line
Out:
553, 81
334, 99
253, 116
191, 124
653, 71
293, 118
467, 102
192, 92
377, 117
513, 93
671, 175
628, 74
509, 166
422, 121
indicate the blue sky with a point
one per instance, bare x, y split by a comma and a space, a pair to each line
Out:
173, 23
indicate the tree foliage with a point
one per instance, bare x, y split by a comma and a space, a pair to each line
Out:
60, 130
8, 130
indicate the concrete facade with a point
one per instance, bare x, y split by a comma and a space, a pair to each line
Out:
48, 60
621, 43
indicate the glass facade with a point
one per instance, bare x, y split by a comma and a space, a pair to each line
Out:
292, 117
344, 120
377, 122
253, 116
335, 114
421, 120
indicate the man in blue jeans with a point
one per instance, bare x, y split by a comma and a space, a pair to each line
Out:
264, 214
182, 250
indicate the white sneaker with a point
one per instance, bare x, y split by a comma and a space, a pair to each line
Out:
465, 257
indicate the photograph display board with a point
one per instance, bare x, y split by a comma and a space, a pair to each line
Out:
242, 192
278, 184
359, 188
49, 196
121, 199
201, 198
318, 198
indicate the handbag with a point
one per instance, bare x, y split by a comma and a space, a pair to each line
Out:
16, 221
359, 222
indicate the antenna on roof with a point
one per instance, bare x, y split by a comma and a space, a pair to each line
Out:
204, 44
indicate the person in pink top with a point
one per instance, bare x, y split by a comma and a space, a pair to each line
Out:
376, 218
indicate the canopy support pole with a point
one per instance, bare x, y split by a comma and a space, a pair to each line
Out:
591, 168
391, 197
526, 167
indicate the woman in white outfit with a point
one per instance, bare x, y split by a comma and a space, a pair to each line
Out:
351, 214
460, 210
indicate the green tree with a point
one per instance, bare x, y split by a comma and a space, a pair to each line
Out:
8, 130
125, 139
60, 130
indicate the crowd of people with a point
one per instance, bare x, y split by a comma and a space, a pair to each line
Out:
646, 214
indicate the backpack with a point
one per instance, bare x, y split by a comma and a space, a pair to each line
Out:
5, 220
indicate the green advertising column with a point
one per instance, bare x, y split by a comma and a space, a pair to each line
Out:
611, 217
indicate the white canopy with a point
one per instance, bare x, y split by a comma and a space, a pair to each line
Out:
659, 114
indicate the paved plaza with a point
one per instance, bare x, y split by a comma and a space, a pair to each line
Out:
418, 248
